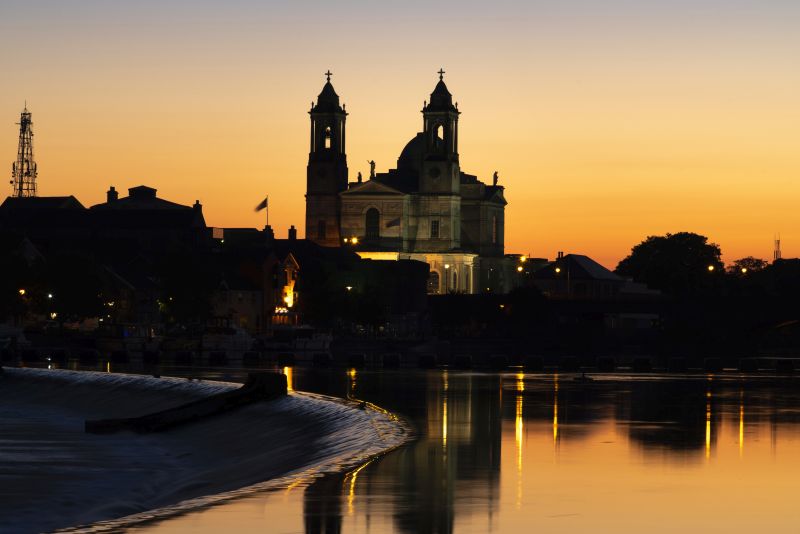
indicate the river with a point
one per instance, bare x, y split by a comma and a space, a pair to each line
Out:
547, 453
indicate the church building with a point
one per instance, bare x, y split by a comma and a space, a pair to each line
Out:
426, 209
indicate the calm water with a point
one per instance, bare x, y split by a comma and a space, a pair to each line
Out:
544, 453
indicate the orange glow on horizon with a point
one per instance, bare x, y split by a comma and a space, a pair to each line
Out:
605, 128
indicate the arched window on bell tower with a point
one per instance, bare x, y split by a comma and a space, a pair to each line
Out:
327, 137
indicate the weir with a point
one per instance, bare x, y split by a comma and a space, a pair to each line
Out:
259, 387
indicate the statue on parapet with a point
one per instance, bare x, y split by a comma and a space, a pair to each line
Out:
495, 178
371, 169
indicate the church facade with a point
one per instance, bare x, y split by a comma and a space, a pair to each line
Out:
426, 209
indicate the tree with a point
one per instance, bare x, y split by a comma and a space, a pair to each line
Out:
681, 263
747, 265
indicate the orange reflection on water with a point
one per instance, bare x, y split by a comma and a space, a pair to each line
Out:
708, 425
518, 424
444, 423
350, 484
633, 461
555, 409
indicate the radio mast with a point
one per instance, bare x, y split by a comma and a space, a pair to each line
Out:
23, 171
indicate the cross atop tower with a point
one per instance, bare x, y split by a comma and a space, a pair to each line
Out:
441, 73
329, 74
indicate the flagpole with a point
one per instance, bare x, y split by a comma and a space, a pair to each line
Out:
267, 210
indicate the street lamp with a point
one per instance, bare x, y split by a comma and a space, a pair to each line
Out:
519, 269
21, 292
711, 268
446, 276
744, 270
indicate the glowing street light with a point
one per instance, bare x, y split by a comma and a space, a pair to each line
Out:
711, 268
558, 270
519, 268
354, 240
21, 292
49, 295
349, 288
744, 270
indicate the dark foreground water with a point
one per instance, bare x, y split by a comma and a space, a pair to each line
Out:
544, 453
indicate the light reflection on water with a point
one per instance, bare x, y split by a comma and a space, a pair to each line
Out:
545, 453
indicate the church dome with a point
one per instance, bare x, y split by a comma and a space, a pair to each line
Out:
411, 156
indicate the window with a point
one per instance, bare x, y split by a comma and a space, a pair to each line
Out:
321, 229
328, 137
494, 229
439, 132
373, 223
434, 228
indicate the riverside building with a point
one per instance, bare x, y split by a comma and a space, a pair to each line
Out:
426, 209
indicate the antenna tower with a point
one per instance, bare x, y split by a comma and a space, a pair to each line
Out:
776, 255
23, 171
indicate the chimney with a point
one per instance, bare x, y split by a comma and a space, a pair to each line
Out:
560, 255
269, 234
292, 233
112, 195
197, 206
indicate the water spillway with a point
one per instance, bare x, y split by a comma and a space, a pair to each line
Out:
112, 481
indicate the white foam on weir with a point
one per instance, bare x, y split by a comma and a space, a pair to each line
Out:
344, 435
356, 440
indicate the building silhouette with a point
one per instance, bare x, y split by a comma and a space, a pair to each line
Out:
426, 209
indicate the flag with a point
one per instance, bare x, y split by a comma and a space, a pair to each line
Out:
393, 222
263, 205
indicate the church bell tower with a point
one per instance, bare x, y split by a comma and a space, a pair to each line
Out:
440, 167
440, 173
326, 174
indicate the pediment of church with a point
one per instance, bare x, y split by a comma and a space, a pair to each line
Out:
496, 196
372, 187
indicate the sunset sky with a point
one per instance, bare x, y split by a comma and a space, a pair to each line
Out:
607, 121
